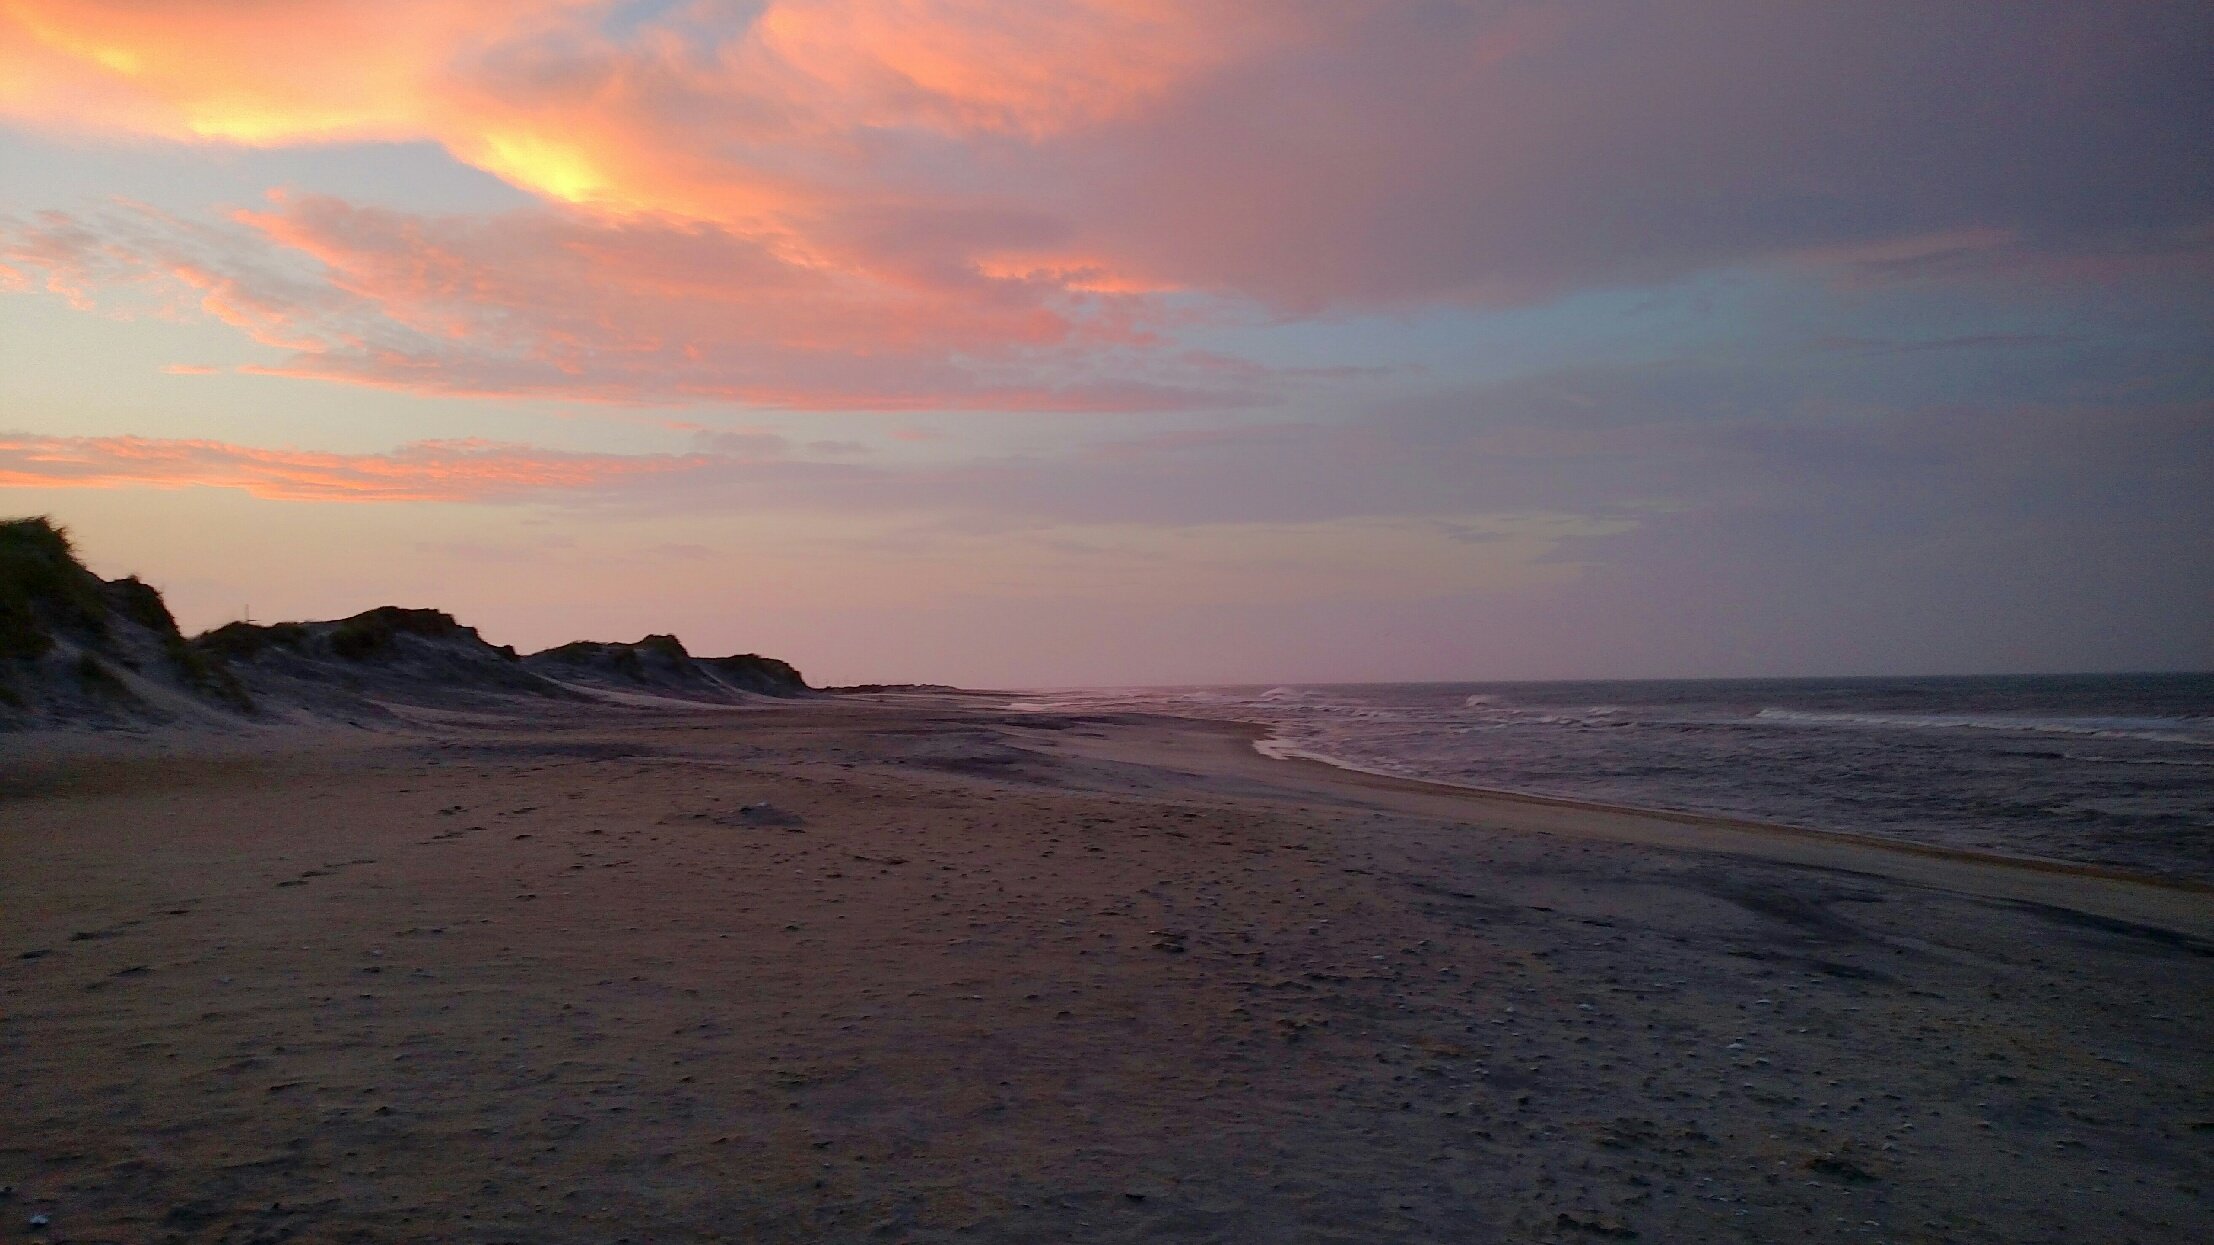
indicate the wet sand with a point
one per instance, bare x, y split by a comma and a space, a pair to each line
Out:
909, 968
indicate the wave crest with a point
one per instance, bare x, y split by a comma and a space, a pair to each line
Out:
2155, 730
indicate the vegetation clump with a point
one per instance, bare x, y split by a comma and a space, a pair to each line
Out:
628, 660
370, 632
665, 645
240, 641
663, 663
579, 652
758, 673
44, 588
46, 594
141, 602
575, 652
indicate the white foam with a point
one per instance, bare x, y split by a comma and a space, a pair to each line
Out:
2154, 730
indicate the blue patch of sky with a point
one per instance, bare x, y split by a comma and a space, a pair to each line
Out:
1978, 342
39, 171
1903, 345
1477, 345
623, 20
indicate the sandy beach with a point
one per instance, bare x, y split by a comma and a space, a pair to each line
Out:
918, 968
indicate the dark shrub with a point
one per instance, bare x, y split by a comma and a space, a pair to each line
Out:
367, 633
42, 586
574, 653
141, 602
760, 674
241, 641
664, 645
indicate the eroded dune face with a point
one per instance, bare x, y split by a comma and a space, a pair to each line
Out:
75, 648
78, 650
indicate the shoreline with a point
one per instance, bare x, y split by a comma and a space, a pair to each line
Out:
51, 751
1261, 736
2182, 904
1695, 817
842, 970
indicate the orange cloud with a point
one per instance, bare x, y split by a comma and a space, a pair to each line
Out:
733, 212
538, 93
245, 71
763, 123
1020, 68
262, 72
575, 304
911, 203
448, 471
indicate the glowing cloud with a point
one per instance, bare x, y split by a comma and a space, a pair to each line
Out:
258, 73
445, 471
997, 203
555, 301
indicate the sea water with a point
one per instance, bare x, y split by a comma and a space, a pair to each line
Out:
2107, 769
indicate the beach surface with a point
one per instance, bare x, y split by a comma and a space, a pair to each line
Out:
915, 967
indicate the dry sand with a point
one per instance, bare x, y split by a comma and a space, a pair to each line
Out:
911, 968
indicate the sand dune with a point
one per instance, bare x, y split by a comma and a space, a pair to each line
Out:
80, 651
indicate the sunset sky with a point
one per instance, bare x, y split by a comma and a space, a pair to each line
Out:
1009, 342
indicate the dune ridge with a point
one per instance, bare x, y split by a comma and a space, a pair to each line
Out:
79, 650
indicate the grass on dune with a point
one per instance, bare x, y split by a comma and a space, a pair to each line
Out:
42, 586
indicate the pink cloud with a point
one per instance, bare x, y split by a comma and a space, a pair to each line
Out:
558, 301
911, 204
448, 471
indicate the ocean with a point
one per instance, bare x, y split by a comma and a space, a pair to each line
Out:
2106, 769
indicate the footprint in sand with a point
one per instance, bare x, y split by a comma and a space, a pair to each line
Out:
327, 870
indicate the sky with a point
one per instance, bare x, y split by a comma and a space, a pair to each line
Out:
1081, 342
